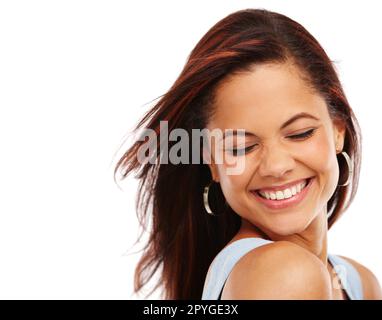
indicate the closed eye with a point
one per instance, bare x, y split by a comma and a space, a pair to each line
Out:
301, 136
240, 152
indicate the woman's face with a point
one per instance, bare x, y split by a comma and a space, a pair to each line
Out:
261, 102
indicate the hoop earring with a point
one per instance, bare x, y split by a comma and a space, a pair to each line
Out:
205, 199
349, 163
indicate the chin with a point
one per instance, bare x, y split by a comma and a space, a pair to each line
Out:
288, 228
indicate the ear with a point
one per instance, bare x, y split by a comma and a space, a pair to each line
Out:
339, 131
209, 159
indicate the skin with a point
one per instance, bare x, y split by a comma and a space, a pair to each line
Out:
260, 101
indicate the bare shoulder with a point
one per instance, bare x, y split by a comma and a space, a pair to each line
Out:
279, 270
371, 287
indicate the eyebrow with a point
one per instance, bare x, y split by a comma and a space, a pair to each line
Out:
284, 125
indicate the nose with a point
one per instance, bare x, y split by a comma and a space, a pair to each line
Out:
275, 162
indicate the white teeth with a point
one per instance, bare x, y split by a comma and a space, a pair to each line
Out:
287, 193
280, 195
284, 194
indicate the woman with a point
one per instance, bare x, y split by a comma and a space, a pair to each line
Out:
260, 231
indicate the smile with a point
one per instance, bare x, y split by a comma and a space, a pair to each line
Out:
284, 198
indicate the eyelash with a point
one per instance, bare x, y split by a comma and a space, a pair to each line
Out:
302, 136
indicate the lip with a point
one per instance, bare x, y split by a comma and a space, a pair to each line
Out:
281, 204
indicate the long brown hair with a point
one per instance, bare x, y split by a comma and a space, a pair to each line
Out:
183, 238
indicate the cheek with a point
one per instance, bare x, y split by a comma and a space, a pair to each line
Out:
234, 186
321, 158
232, 182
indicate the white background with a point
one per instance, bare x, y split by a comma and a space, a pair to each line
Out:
76, 76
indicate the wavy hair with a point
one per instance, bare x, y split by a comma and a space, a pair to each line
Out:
183, 238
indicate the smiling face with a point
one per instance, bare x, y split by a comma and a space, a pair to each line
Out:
276, 151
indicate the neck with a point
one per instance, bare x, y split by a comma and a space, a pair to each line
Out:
313, 238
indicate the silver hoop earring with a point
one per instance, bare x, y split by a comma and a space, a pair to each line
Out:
205, 199
349, 163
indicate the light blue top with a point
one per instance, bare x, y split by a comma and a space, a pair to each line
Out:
225, 260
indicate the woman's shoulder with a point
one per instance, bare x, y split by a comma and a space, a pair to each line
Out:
282, 265
370, 285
